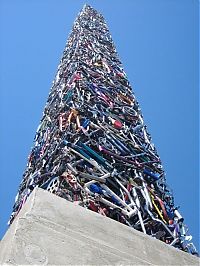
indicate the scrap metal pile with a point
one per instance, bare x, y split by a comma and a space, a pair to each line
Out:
92, 146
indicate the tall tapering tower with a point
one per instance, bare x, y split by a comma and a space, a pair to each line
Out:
92, 146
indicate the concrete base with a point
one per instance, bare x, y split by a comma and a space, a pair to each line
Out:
52, 231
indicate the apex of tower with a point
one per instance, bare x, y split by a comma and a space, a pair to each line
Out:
86, 6
89, 8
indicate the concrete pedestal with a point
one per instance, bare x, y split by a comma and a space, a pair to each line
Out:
52, 231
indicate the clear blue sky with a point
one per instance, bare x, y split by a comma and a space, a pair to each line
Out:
157, 41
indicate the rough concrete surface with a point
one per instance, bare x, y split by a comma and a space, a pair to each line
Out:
52, 231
